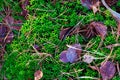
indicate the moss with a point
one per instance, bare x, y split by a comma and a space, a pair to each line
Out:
42, 28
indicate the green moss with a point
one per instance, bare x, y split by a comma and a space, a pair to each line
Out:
42, 28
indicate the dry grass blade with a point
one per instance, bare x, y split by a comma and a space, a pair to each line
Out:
88, 77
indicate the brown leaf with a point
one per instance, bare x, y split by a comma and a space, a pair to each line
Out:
23, 5
107, 70
96, 28
9, 37
91, 4
38, 75
11, 23
6, 36
63, 33
68, 32
2, 51
8, 20
72, 54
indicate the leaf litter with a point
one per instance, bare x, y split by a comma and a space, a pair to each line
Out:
73, 53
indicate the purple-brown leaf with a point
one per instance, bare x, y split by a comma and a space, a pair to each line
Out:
72, 54
63, 57
88, 58
23, 5
91, 4
107, 70
96, 28
11, 23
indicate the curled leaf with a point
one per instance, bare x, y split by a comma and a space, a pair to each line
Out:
96, 28
107, 70
38, 75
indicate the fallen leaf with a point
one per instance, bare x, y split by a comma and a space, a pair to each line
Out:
96, 28
64, 32
88, 58
36, 47
107, 70
72, 54
11, 23
91, 4
63, 57
38, 75
6, 36
111, 2
69, 32
23, 5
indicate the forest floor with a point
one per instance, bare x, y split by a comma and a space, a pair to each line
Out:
58, 40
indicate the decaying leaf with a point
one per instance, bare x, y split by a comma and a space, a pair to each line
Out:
23, 5
38, 75
88, 58
96, 28
91, 4
107, 70
64, 32
72, 54
63, 57
68, 32
6, 36
36, 47
11, 23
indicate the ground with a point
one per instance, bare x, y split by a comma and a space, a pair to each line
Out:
42, 27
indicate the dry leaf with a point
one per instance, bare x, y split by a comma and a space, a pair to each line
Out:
88, 58
6, 36
38, 75
107, 70
72, 54
64, 32
96, 28
23, 5
91, 4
